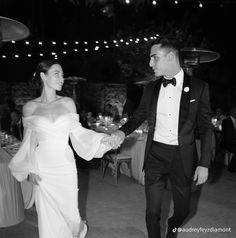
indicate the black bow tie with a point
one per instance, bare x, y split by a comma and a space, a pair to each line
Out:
165, 81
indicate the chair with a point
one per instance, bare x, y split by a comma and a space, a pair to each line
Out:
115, 158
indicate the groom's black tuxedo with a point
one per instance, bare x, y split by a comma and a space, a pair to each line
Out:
194, 112
176, 162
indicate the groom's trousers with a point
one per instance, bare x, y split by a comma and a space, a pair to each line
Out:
163, 163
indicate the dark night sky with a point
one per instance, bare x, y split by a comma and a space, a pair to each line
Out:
47, 20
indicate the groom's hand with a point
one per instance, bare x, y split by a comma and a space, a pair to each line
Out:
200, 175
118, 138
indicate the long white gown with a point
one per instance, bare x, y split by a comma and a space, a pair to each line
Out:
45, 151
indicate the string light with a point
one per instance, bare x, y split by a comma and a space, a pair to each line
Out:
68, 47
154, 2
200, 5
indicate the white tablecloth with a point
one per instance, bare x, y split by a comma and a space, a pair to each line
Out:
11, 199
134, 146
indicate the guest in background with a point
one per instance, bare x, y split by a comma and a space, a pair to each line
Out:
123, 106
229, 137
16, 120
108, 111
219, 114
127, 105
90, 119
83, 117
5, 115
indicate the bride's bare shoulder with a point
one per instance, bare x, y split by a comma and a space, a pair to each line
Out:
29, 107
69, 104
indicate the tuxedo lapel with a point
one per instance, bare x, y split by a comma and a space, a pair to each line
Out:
184, 101
153, 104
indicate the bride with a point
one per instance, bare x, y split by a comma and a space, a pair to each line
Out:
46, 160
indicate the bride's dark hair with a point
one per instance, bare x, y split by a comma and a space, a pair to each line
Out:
43, 66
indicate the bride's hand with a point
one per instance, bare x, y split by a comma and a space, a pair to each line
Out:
34, 178
111, 142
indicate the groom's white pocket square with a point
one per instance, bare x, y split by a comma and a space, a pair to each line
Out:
192, 100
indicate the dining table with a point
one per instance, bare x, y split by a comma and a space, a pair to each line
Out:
134, 146
11, 198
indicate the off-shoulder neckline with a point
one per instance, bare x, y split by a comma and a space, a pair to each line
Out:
61, 116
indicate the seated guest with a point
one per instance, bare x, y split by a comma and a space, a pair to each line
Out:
229, 134
16, 122
108, 111
90, 118
83, 117
124, 106
5, 117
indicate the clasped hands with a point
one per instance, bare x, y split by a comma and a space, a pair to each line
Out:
115, 139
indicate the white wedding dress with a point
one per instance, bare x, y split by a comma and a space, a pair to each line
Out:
45, 151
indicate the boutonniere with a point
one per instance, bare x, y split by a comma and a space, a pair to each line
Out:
186, 89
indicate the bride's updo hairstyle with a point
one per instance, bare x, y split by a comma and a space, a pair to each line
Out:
43, 66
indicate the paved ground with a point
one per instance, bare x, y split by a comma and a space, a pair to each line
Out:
118, 211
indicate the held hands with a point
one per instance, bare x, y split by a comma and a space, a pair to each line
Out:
34, 178
200, 175
118, 138
114, 140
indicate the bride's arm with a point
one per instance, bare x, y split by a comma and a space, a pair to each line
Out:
28, 110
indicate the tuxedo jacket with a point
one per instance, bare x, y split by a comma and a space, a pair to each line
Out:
195, 112
229, 134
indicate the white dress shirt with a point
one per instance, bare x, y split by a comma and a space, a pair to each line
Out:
167, 116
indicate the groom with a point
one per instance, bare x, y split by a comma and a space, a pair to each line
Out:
174, 106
